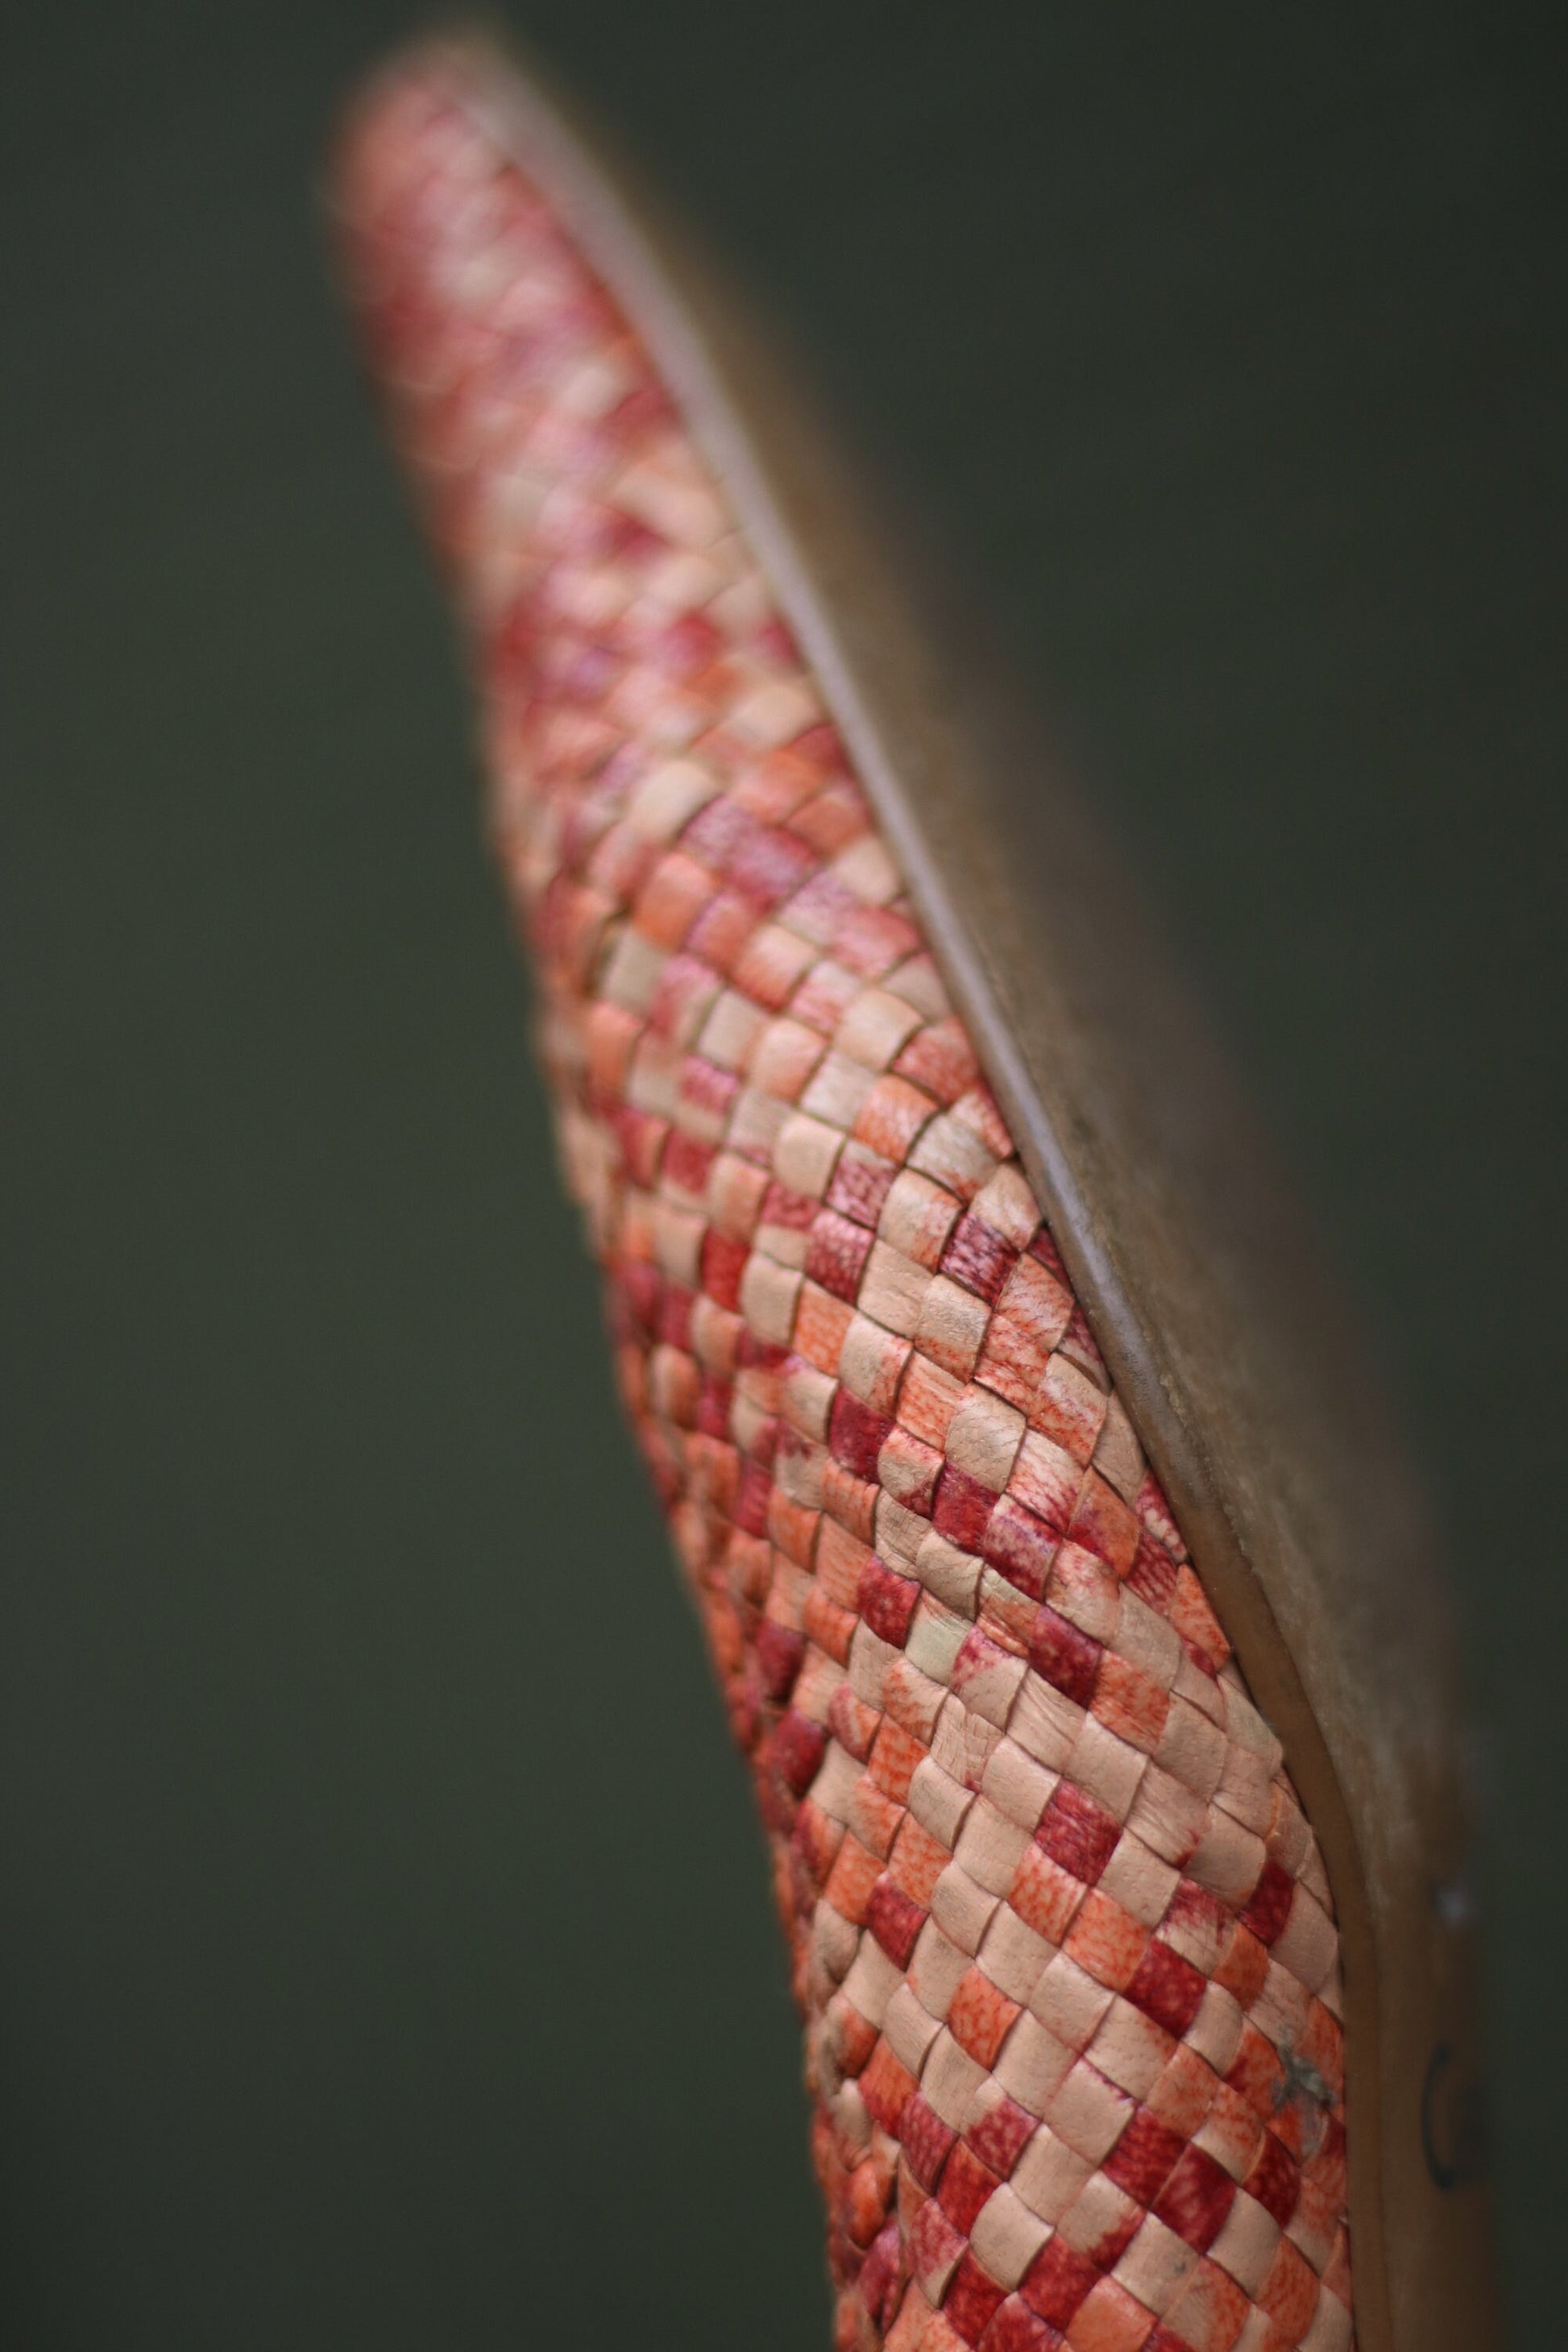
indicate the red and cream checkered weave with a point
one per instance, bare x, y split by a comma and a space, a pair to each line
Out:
1061, 1935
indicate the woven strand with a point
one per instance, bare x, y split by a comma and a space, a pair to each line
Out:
1061, 1935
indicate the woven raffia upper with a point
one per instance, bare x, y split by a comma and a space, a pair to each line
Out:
1061, 1935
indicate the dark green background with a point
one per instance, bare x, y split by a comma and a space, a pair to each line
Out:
387, 1952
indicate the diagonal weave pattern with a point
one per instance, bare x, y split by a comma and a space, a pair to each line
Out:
1061, 1935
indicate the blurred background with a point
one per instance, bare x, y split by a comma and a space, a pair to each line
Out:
348, 1996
